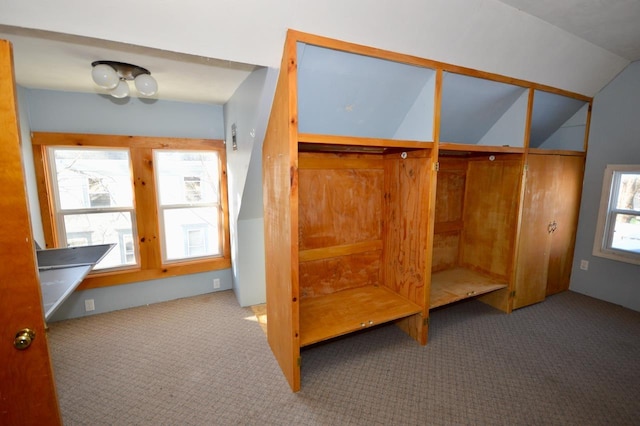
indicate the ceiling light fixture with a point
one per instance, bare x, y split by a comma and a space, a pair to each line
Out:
114, 77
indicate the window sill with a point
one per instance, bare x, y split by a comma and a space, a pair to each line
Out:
128, 276
618, 256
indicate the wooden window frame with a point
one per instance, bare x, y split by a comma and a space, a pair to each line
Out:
145, 205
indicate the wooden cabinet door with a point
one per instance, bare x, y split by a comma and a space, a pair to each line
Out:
535, 239
548, 230
569, 172
27, 390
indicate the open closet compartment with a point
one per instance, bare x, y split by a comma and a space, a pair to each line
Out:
362, 228
364, 166
347, 171
476, 217
481, 151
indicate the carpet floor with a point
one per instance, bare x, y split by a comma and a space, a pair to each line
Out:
204, 360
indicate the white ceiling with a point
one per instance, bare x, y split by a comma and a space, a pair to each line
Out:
611, 24
47, 60
52, 60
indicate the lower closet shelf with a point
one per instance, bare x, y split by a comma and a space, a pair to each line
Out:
346, 311
457, 284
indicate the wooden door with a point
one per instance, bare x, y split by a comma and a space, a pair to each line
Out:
27, 389
533, 250
548, 231
569, 172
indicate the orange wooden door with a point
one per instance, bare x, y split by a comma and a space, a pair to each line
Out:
547, 236
535, 235
570, 170
27, 389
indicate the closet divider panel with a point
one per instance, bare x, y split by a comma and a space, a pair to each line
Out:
406, 212
280, 197
490, 214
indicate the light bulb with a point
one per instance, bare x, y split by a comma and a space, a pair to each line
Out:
105, 76
121, 90
146, 84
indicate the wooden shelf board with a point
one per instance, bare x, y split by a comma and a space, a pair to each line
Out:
457, 284
354, 143
343, 312
452, 146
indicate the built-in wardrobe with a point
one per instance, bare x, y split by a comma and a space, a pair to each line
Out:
395, 185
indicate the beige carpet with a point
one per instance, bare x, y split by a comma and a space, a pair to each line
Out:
205, 361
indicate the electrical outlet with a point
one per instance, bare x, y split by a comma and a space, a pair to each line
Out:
584, 265
216, 283
89, 305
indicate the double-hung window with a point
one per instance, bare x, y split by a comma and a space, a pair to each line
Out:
161, 201
618, 230
188, 203
93, 199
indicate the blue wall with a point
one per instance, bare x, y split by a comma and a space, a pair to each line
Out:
248, 109
614, 139
53, 111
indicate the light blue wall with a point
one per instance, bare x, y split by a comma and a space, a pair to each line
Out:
347, 94
614, 139
143, 293
249, 109
509, 129
29, 171
53, 111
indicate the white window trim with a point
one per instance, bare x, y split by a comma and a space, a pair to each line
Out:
600, 248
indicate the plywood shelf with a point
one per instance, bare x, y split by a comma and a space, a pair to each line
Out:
337, 143
457, 284
471, 148
343, 312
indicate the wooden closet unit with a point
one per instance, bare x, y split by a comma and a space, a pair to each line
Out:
393, 185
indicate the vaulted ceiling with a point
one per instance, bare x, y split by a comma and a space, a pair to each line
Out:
201, 51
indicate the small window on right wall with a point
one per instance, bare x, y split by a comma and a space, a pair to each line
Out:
618, 230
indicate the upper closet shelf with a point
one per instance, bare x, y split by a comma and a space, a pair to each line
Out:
558, 122
348, 94
482, 112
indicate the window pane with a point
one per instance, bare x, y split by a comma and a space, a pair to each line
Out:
626, 233
191, 232
187, 177
628, 197
103, 228
91, 178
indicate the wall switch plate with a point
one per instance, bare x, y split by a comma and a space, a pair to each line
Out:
584, 265
216, 283
234, 137
89, 305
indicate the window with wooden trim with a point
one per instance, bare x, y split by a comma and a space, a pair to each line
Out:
618, 229
188, 203
162, 201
